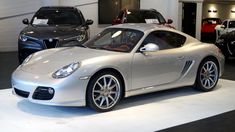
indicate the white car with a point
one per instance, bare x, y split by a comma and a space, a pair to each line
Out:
227, 26
121, 61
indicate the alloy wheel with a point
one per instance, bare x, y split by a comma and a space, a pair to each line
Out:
209, 75
106, 92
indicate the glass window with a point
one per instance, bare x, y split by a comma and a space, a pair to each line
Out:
57, 17
165, 39
231, 24
115, 39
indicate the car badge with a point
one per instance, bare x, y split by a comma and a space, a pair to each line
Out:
50, 40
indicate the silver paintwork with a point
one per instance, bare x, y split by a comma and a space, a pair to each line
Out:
142, 73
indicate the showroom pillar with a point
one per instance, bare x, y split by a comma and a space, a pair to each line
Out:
198, 20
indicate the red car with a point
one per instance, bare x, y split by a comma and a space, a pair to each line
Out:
209, 24
142, 16
208, 28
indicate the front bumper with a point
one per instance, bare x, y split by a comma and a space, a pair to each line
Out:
70, 91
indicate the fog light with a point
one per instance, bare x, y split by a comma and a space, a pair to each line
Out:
50, 90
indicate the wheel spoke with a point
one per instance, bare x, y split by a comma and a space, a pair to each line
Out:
98, 98
100, 85
212, 80
111, 98
110, 88
204, 82
207, 66
204, 69
209, 83
211, 66
105, 83
113, 92
107, 101
102, 101
97, 91
110, 82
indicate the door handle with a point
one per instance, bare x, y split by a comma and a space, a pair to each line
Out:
180, 58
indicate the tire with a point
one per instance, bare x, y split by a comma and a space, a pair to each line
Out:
103, 95
207, 75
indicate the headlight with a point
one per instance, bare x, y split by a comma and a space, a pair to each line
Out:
27, 59
66, 71
79, 38
23, 38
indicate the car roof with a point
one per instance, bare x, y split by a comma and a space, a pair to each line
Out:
58, 8
143, 10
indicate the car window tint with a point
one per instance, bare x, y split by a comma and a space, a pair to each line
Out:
134, 17
161, 18
57, 17
165, 39
115, 39
231, 24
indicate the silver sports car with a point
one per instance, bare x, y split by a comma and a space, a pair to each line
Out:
121, 61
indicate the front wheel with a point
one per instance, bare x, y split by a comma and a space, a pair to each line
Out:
207, 76
104, 91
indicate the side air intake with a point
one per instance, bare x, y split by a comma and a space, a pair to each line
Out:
187, 66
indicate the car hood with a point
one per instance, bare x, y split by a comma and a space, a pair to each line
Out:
43, 32
49, 61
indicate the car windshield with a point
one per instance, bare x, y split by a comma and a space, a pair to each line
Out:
115, 39
56, 17
139, 16
231, 24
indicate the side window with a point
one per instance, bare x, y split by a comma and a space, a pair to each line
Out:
225, 23
165, 39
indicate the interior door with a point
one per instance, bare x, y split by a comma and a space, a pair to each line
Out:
159, 67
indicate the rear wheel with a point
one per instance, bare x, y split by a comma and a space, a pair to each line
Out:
208, 75
104, 91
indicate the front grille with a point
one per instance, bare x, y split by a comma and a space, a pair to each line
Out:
51, 43
42, 93
21, 93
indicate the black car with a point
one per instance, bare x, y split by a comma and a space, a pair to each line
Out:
53, 27
226, 42
141, 16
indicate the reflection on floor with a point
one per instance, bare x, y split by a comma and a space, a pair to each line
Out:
149, 112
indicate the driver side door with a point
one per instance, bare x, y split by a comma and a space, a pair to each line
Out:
158, 67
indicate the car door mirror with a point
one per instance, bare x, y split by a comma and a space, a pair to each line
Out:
25, 21
89, 22
151, 47
169, 21
222, 26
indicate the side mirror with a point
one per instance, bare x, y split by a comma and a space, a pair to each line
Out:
151, 47
222, 26
169, 21
89, 22
25, 21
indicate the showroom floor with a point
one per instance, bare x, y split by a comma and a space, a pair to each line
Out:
175, 110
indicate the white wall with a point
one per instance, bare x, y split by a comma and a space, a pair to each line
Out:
223, 10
